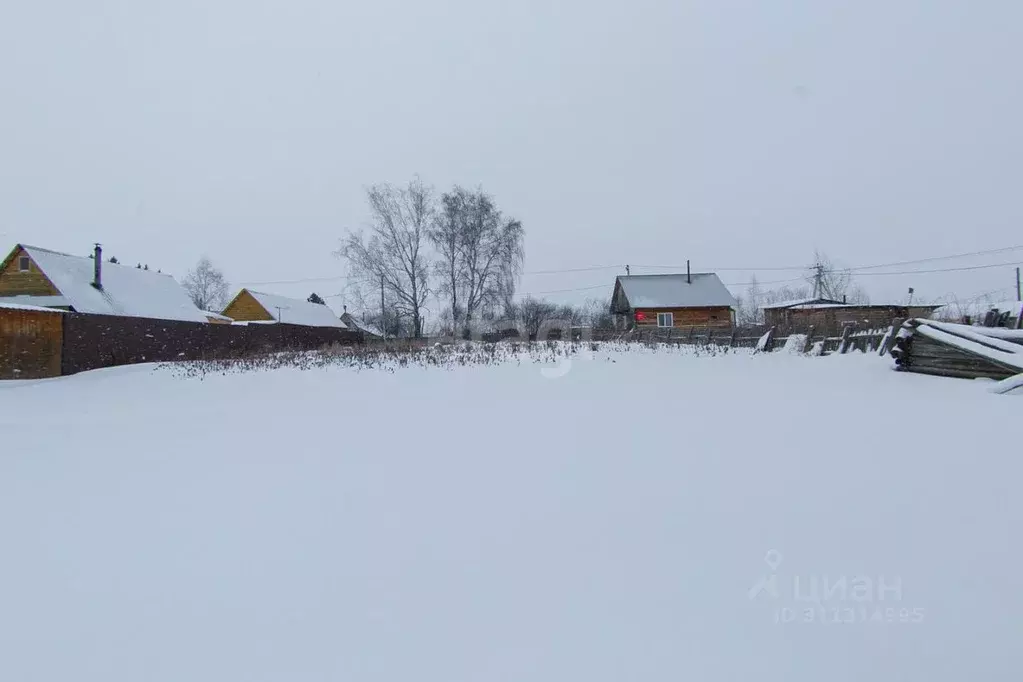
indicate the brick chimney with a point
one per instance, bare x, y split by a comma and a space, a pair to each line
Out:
97, 267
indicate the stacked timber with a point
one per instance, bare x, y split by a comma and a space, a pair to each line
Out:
956, 350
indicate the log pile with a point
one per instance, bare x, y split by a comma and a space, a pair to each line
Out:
954, 350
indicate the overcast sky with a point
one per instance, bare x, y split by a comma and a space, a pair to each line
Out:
735, 134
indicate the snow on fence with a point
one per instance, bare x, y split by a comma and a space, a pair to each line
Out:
768, 339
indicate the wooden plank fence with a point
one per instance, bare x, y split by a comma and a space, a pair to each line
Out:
866, 340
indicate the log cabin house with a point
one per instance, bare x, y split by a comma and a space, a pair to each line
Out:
39, 277
672, 301
255, 306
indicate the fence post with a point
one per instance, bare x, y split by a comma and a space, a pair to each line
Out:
808, 344
731, 341
889, 340
843, 345
769, 344
710, 337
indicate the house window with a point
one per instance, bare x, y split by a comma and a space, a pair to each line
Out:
665, 320
24, 264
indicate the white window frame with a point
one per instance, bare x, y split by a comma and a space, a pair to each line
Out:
26, 261
662, 317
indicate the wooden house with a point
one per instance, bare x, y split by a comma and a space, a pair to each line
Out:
672, 301
33, 276
255, 306
369, 331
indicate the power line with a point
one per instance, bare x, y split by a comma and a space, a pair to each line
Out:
682, 267
987, 252
587, 269
924, 272
297, 281
856, 270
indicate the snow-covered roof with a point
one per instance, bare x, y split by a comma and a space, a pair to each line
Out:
352, 321
33, 308
802, 303
824, 303
675, 291
127, 291
819, 306
217, 316
297, 311
38, 301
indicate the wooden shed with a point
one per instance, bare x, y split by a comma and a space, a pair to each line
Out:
830, 315
369, 331
672, 301
31, 340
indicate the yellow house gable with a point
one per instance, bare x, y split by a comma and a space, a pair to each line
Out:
20, 276
245, 308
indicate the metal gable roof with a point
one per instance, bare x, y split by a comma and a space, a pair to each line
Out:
126, 290
297, 311
700, 290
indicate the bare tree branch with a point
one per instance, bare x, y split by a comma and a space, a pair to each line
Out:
206, 286
393, 252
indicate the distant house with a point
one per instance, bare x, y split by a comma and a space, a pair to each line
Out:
34, 276
369, 331
255, 306
667, 301
829, 314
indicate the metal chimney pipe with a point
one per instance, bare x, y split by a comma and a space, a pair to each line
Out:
689, 275
97, 267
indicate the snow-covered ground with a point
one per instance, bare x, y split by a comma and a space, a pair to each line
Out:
635, 516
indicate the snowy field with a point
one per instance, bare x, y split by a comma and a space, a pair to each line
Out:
635, 516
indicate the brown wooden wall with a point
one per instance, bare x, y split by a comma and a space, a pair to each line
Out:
245, 308
687, 317
30, 344
31, 283
94, 341
833, 319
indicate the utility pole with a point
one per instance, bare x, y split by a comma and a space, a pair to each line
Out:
627, 271
1018, 291
818, 279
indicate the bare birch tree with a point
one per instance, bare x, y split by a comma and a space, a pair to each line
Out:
206, 286
481, 253
393, 253
447, 236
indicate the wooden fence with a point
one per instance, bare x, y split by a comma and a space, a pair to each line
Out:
40, 344
768, 339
